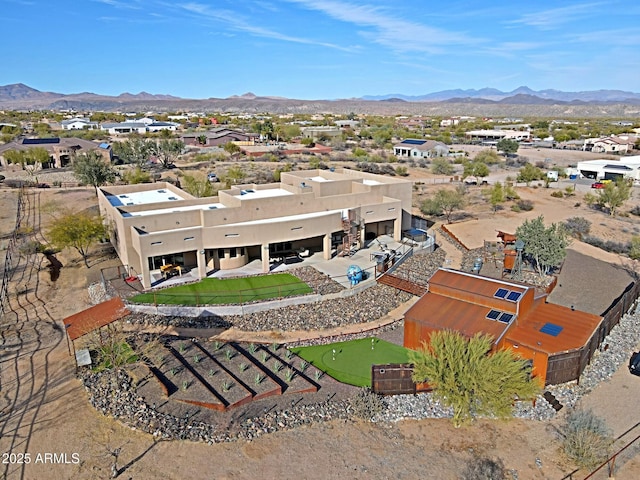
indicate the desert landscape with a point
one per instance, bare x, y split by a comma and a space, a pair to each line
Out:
44, 407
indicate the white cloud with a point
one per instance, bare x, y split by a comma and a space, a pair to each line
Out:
554, 17
234, 21
388, 29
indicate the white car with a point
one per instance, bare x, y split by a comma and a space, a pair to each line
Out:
212, 177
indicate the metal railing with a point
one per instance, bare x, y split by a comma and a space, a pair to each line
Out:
8, 259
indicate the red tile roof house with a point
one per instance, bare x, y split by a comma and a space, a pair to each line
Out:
559, 341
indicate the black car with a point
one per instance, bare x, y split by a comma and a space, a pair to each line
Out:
634, 363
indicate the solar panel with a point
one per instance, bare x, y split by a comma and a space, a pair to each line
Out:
501, 293
551, 329
493, 314
514, 296
413, 142
506, 317
40, 141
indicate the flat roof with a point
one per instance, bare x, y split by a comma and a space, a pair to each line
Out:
366, 181
302, 216
143, 198
318, 178
159, 211
250, 193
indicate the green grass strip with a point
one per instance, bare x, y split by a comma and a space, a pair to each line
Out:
219, 291
352, 361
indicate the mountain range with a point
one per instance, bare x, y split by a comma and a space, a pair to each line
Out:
486, 101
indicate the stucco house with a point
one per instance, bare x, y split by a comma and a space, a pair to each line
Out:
216, 137
315, 210
79, 124
418, 148
61, 150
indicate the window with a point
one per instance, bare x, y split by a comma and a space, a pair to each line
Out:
233, 252
221, 253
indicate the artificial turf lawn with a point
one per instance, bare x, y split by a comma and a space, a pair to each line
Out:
353, 359
215, 291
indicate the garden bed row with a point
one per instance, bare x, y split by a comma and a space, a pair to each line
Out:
221, 376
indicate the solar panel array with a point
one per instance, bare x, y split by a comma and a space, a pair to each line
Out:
503, 317
413, 142
510, 295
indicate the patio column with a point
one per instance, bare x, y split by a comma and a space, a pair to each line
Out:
326, 246
202, 264
264, 255
145, 274
397, 229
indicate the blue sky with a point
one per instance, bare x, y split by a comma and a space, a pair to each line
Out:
318, 49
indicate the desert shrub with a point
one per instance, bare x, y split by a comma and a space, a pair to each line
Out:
366, 404
577, 227
515, 208
586, 438
634, 248
484, 469
607, 245
525, 205
635, 211
557, 194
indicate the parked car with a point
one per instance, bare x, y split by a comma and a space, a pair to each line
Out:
597, 185
212, 177
634, 363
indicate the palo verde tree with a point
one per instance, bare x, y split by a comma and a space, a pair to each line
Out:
475, 169
78, 230
495, 195
613, 195
166, 150
197, 185
528, 173
134, 150
444, 202
507, 146
442, 166
91, 168
545, 247
466, 376
487, 156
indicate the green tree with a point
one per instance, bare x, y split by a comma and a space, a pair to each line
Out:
495, 195
77, 230
475, 169
442, 166
613, 195
235, 174
488, 157
528, 173
135, 150
198, 186
545, 246
507, 145
137, 175
466, 376
444, 201
231, 148
92, 169
167, 150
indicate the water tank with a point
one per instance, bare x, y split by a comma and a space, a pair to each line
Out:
354, 274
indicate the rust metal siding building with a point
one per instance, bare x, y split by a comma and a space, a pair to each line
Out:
559, 341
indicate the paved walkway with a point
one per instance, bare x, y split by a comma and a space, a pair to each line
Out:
270, 336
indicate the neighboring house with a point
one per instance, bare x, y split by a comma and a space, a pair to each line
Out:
414, 148
626, 167
558, 341
217, 137
449, 122
347, 123
413, 123
495, 135
124, 128
79, 124
315, 133
158, 126
61, 150
158, 224
615, 145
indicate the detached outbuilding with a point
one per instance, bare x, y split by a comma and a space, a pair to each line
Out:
559, 341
